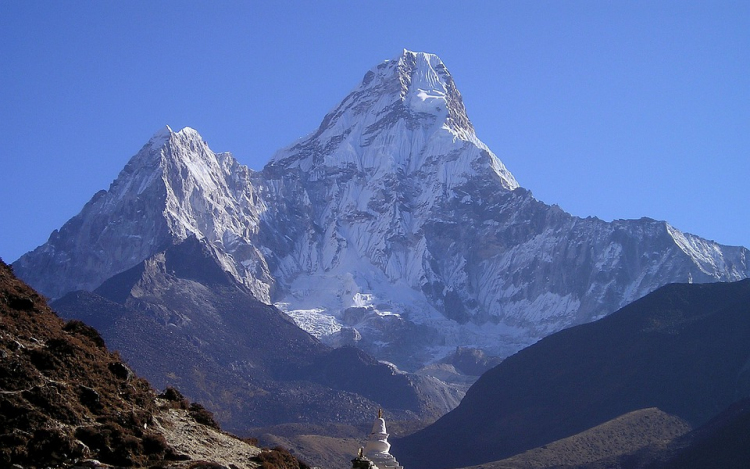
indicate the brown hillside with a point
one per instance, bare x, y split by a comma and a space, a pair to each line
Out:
65, 399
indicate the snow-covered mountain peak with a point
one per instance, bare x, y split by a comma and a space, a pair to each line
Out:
185, 136
166, 149
188, 133
173, 188
429, 88
406, 116
392, 220
712, 259
164, 138
164, 134
210, 196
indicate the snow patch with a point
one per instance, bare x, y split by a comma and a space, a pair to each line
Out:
160, 137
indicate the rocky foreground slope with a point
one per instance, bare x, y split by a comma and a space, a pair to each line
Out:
66, 401
391, 227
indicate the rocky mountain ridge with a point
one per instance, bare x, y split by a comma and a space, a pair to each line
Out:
392, 227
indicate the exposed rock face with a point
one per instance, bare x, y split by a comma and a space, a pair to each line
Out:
392, 227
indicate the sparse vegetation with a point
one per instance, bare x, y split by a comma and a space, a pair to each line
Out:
174, 398
279, 458
83, 330
205, 465
202, 415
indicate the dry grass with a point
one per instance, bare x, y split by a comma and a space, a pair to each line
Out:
611, 440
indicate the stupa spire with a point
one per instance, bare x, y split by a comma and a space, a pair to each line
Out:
377, 447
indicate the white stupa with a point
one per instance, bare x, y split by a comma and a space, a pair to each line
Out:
377, 446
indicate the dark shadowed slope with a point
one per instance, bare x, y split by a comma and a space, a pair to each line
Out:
683, 349
723, 442
180, 320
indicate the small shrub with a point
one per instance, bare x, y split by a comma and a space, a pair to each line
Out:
202, 415
171, 394
206, 465
90, 398
20, 303
176, 398
279, 458
131, 444
138, 419
52, 445
51, 402
84, 330
120, 371
60, 347
43, 360
92, 437
154, 443
172, 455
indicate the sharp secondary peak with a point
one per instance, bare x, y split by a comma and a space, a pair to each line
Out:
162, 134
188, 131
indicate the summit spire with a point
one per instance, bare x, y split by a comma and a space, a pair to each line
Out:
428, 87
415, 85
403, 110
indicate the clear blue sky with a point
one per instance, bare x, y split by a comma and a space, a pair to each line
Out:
615, 109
